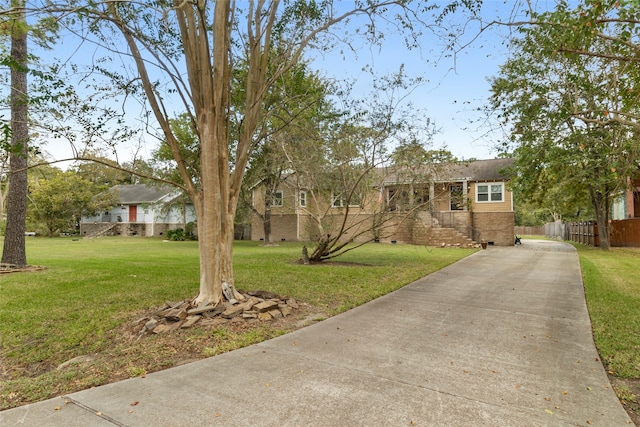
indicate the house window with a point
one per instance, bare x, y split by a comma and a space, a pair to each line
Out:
493, 192
278, 198
337, 201
303, 199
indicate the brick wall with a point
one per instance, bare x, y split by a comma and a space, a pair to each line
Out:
127, 229
496, 227
120, 229
283, 226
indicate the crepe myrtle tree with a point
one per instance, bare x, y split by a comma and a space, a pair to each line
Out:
186, 52
341, 165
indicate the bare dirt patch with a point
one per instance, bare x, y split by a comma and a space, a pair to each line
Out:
135, 351
139, 353
628, 390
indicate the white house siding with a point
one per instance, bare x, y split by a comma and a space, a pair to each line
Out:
150, 220
619, 208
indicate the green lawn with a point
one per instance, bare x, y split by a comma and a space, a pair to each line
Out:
77, 306
92, 287
612, 286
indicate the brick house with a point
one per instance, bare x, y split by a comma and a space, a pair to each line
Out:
627, 206
141, 210
450, 204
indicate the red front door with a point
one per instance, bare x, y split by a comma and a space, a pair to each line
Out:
133, 213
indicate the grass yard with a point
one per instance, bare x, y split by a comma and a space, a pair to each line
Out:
612, 287
81, 304
91, 291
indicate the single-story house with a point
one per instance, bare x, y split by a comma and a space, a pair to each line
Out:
458, 204
141, 210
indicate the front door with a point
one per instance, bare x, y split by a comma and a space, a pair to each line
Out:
133, 213
455, 191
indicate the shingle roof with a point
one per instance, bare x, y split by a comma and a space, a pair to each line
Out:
477, 171
140, 193
481, 170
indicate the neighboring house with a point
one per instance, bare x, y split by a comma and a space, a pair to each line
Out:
454, 204
625, 214
142, 210
627, 205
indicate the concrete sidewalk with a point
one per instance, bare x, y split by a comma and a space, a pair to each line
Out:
501, 338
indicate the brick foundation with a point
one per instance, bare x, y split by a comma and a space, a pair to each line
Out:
494, 227
126, 229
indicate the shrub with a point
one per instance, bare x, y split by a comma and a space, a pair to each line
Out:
180, 235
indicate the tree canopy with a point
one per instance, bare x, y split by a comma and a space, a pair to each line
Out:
183, 58
570, 98
59, 202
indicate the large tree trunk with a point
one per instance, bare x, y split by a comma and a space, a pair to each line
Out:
266, 224
208, 67
604, 232
601, 205
217, 202
4, 187
14, 251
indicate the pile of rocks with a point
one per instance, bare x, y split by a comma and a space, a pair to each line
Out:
256, 306
472, 245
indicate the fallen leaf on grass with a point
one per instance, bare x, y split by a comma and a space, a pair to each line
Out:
548, 411
134, 403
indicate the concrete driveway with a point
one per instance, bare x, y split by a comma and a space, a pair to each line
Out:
501, 338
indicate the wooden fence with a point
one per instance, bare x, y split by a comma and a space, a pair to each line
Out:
582, 232
622, 233
625, 233
529, 231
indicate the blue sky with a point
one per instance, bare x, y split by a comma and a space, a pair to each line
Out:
456, 85
454, 90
